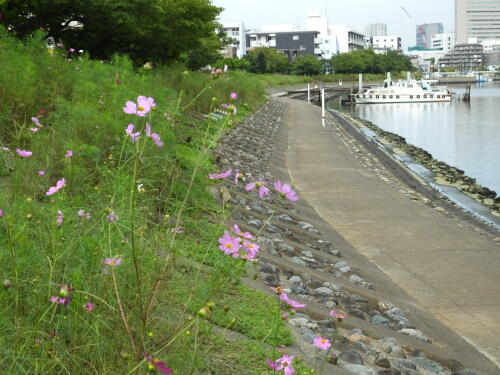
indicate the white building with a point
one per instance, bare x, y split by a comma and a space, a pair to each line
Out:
376, 29
444, 41
491, 45
477, 19
384, 43
235, 31
426, 59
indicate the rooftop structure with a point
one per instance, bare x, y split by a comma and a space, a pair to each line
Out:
376, 29
465, 57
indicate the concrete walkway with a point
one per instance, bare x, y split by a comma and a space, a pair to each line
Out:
451, 269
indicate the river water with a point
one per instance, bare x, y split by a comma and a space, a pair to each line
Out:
464, 135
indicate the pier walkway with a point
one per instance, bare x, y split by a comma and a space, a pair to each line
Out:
446, 265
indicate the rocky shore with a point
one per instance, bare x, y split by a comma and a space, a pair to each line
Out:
305, 256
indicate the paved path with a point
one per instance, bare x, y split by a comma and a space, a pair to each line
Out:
448, 267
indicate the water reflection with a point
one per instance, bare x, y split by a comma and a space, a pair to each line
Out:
466, 135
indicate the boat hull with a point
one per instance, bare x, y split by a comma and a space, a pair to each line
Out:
383, 99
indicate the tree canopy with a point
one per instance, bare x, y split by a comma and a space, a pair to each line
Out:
152, 30
306, 65
367, 61
267, 60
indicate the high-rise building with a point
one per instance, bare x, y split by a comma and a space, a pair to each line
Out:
376, 29
477, 19
425, 32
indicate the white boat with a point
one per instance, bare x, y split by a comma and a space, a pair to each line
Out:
407, 91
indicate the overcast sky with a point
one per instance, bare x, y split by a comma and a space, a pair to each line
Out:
355, 13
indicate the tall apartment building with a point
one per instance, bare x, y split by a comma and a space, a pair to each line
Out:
376, 29
477, 19
235, 31
444, 41
425, 32
384, 43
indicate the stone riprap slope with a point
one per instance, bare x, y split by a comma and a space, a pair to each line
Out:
306, 257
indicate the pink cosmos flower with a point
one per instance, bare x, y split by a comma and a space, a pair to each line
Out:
260, 185
112, 217
37, 122
83, 214
143, 106
41, 173
283, 364
59, 300
336, 315
89, 306
5, 148
68, 154
54, 189
229, 245
225, 106
285, 190
294, 305
1, 212
155, 137
238, 176
134, 137
251, 249
220, 176
322, 343
113, 262
60, 218
24, 153
71, 50
34, 130
156, 364
234, 96
236, 229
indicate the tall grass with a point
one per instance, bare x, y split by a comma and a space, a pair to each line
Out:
148, 206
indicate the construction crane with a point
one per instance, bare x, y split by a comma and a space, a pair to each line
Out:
420, 28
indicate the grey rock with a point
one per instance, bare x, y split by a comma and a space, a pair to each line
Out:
397, 352
395, 314
380, 320
307, 254
298, 322
355, 331
284, 247
465, 371
267, 268
383, 362
330, 304
403, 363
342, 267
415, 333
271, 279
285, 217
361, 346
384, 306
351, 356
332, 286
356, 279
297, 286
359, 369
323, 292
356, 298
427, 364
386, 344
405, 323
308, 336
358, 313
297, 260
374, 355
255, 222
305, 225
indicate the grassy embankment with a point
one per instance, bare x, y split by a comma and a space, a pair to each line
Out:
163, 211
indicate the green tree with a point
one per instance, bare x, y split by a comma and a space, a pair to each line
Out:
147, 30
306, 65
267, 60
367, 61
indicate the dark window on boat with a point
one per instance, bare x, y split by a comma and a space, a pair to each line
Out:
411, 96
418, 96
438, 97
397, 96
357, 96
377, 96
371, 96
383, 97
425, 96
390, 96
364, 96
432, 96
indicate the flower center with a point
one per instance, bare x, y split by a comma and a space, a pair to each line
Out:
140, 108
323, 341
228, 245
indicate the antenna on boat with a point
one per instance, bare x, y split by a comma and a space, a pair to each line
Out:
408, 75
360, 87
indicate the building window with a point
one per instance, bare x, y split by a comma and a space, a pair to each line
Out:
295, 37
